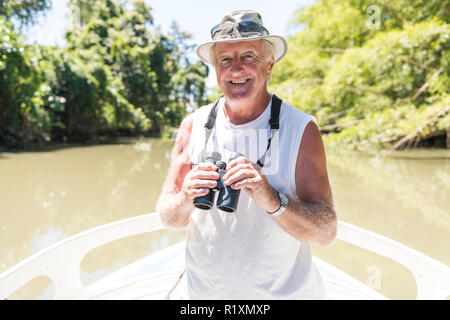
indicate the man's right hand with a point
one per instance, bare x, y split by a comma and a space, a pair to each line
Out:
184, 183
199, 180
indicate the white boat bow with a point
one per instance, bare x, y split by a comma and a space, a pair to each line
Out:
159, 275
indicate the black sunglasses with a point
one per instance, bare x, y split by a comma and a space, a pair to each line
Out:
242, 27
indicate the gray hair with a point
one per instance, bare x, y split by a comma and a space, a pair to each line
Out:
268, 51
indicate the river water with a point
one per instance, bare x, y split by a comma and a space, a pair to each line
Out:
50, 195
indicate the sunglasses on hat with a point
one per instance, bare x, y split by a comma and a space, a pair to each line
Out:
245, 28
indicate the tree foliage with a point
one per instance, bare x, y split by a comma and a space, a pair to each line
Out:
21, 106
24, 11
375, 73
117, 74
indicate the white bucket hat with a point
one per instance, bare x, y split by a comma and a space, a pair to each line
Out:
242, 25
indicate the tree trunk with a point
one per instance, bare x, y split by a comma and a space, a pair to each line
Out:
448, 138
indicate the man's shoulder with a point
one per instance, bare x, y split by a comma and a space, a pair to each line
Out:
291, 113
200, 114
204, 109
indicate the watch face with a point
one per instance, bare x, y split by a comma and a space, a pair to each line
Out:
284, 200
283, 204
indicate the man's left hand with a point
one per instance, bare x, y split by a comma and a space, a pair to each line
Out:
242, 174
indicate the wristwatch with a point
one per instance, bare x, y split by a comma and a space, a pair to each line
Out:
283, 204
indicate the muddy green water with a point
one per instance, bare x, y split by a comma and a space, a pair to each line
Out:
50, 195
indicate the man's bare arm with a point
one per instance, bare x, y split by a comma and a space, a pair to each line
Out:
172, 206
183, 184
311, 216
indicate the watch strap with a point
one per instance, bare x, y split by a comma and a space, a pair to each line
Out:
283, 204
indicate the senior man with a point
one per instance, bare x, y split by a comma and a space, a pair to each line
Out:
263, 249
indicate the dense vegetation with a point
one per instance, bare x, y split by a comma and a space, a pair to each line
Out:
116, 75
374, 73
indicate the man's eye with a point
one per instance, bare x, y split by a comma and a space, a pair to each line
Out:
248, 58
225, 61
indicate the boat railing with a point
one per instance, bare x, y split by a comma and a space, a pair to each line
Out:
432, 277
61, 261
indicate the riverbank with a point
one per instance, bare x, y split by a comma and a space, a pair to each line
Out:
9, 144
438, 141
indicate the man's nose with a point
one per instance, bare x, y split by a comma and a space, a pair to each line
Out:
236, 65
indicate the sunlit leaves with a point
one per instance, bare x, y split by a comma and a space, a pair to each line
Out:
117, 74
351, 76
23, 11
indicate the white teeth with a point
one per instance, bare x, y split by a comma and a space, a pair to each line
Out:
240, 81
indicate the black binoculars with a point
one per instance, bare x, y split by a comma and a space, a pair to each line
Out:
227, 199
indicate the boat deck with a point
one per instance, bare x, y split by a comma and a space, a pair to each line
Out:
153, 277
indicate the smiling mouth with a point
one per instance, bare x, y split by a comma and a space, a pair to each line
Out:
239, 81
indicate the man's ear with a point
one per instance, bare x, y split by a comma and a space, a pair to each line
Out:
270, 67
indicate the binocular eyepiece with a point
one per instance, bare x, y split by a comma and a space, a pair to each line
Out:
227, 199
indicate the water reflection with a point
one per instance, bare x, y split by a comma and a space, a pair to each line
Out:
43, 239
48, 196
403, 197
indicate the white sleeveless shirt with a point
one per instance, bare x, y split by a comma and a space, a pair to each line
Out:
246, 254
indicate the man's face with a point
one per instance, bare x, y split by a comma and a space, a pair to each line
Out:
241, 69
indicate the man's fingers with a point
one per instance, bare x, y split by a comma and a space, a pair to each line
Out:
250, 183
194, 193
208, 175
239, 171
198, 188
196, 184
239, 160
206, 166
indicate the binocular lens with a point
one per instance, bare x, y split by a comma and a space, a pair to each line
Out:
226, 209
205, 202
227, 199
203, 206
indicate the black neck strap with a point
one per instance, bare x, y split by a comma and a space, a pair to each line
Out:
274, 123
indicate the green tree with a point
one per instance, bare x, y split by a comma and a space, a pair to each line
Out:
23, 118
25, 11
348, 72
117, 74
153, 75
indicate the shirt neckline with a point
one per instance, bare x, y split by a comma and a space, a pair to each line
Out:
263, 117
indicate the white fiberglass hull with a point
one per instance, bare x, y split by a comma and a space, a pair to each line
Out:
156, 276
